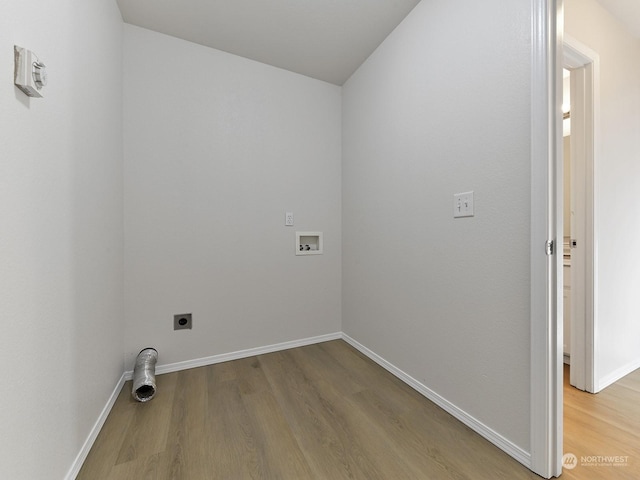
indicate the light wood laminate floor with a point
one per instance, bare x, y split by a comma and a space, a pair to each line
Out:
603, 425
322, 411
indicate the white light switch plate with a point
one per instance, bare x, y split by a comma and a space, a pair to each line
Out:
463, 204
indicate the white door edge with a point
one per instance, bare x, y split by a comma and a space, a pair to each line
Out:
546, 218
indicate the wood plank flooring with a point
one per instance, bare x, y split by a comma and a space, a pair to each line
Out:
606, 424
322, 411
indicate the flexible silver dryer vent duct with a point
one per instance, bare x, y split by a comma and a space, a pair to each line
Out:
144, 375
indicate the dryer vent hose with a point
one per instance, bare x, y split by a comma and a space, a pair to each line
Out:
144, 375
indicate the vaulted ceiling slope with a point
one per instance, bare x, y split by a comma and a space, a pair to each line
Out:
626, 11
323, 39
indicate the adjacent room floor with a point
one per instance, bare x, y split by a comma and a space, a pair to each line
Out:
322, 411
602, 431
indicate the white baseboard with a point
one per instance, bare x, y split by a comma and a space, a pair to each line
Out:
250, 352
617, 374
93, 434
491, 435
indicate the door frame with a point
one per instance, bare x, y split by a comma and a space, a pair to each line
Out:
584, 64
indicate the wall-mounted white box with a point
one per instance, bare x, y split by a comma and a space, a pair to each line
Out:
308, 243
30, 74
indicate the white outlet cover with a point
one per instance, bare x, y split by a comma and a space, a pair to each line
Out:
288, 219
463, 205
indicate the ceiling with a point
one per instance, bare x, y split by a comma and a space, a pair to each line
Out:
323, 39
626, 11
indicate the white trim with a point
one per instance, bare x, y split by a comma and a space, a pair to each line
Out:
491, 435
250, 352
546, 294
93, 434
618, 373
576, 54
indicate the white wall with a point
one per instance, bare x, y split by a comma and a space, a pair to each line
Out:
61, 241
617, 173
217, 149
443, 107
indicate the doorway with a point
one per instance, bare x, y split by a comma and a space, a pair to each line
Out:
578, 252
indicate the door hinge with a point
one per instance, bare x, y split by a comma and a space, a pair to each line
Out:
549, 247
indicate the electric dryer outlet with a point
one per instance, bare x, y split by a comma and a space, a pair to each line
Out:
183, 321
